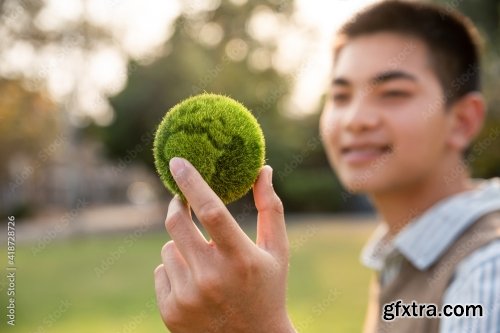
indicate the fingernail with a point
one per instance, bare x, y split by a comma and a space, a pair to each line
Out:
270, 176
179, 200
172, 203
177, 166
175, 199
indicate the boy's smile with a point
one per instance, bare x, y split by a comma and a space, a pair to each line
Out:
384, 125
362, 152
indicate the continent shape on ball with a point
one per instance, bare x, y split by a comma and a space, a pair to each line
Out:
221, 139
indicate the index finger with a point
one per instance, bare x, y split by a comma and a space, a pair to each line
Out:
208, 207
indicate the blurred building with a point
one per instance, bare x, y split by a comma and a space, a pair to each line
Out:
66, 176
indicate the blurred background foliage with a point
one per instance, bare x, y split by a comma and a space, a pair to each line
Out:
15, 132
213, 49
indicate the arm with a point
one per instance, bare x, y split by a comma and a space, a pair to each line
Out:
227, 284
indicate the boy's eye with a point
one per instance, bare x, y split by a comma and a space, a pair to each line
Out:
395, 94
340, 98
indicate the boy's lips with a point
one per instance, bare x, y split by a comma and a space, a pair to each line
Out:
363, 153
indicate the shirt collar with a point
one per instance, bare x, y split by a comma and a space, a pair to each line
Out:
426, 238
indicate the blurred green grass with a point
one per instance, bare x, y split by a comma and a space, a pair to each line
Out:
105, 283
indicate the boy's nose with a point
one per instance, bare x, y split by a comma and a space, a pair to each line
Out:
360, 116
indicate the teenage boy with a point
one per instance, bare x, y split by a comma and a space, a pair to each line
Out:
404, 106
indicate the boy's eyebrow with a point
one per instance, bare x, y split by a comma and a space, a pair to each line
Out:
392, 75
340, 81
378, 79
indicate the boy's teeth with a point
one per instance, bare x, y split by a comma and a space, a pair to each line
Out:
366, 149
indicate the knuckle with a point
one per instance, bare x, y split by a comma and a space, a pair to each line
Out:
210, 287
246, 267
274, 269
185, 179
188, 302
172, 317
276, 205
158, 269
167, 248
173, 221
210, 213
179, 309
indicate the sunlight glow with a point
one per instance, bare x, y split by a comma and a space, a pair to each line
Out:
139, 29
325, 17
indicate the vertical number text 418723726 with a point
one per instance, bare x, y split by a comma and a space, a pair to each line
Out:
11, 271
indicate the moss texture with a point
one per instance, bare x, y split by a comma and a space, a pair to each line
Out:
219, 136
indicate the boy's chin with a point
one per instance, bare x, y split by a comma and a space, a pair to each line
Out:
363, 186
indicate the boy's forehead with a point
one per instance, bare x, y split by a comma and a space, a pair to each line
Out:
366, 56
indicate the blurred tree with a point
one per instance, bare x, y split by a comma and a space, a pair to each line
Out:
51, 51
18, 134
58, 52
28, 128
485, 153
76, 51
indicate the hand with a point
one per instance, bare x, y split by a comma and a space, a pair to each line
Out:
230, 283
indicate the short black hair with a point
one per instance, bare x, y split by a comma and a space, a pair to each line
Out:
452, 40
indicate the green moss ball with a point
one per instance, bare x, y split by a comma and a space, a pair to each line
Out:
219, 136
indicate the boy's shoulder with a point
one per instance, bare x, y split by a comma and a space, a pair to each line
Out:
444, 225
429, 237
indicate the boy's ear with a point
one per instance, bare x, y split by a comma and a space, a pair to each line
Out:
468, 115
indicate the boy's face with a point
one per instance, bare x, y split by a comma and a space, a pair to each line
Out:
384, 126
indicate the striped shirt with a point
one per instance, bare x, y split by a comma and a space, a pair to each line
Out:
426, 239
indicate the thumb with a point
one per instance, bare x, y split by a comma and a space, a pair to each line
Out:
271, 230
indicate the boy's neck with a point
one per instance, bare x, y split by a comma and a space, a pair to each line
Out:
398, 207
